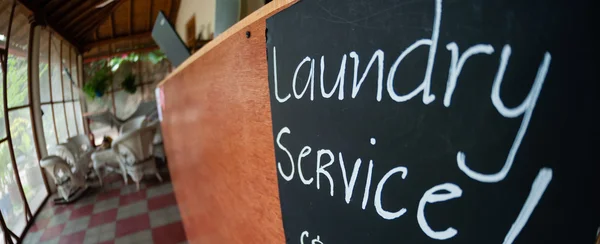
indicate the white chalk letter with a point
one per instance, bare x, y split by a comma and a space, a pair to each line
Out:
310, 81
525, 108
537, 190
291, 175
431, 196
280, 100
304, 234
456, 65
367, 185
380, 211
426, 85
321, 169
349, 186
356, 85
339, 83
303, 153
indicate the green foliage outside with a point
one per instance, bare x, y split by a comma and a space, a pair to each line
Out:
100, 72
20, 128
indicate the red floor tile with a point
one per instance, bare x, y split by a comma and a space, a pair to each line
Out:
103, 218
58, 209
75, 238
82, 212
161, 201
172, 233
40, 224
132, 198
132, 225
108, 195
167, 234
111, 178
52, 232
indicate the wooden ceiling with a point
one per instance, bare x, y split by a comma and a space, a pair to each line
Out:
19, 29
118, 26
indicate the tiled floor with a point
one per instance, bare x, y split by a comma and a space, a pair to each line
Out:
113, 214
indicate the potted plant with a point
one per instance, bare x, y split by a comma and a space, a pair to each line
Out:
128, 83
99, 83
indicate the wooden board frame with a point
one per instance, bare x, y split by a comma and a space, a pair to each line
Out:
218, 137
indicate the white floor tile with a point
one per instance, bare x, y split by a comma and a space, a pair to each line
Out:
132, 209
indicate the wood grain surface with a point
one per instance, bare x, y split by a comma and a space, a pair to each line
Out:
218, 138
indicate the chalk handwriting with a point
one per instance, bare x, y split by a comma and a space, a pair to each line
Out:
325, 158
305, 235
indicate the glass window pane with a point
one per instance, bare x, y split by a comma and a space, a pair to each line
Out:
26, 156
48, 122
17, 80
70, 111
66, 70
44, 75
79, 117
61, 125
18, 86
11, 204
2, 127
55, 69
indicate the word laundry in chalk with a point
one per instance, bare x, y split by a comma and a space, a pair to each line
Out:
443, 192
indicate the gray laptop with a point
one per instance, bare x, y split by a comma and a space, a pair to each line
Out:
169, 41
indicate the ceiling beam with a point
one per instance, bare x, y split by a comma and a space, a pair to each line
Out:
40, 17
150, 13
137, 36
174, 11
90, 24
51, 4
105, 56
84, 10
64, 9
112, 25
168, 9
5, 5
130, 17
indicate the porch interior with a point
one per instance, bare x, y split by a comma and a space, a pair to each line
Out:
84, 69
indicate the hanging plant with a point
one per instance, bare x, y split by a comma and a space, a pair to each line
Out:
128, 83
99, 84
156, 56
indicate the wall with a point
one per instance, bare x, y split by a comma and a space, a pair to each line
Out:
205, 16
253, 5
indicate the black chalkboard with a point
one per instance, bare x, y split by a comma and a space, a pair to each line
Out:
474, 123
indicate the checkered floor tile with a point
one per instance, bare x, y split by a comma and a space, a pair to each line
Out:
114, 213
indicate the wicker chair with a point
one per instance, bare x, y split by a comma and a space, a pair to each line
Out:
135, 152
76, 152
67, 180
